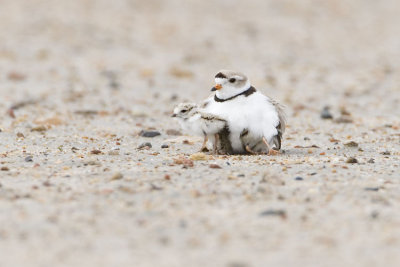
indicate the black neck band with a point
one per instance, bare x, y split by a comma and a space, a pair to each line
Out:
246, 93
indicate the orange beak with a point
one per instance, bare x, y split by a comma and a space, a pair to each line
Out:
216, 87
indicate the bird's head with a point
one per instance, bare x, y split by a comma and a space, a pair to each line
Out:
184, 110
229, 83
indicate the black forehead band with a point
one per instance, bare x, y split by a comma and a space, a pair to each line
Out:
220, 75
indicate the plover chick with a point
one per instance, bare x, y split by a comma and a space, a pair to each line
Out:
195, 121
256, 122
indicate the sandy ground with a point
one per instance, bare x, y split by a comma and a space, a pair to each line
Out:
80, 79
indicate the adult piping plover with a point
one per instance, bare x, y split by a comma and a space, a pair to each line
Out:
195, 121
256, 122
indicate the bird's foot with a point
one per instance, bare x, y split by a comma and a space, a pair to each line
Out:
204, 149
249, 150
273, 152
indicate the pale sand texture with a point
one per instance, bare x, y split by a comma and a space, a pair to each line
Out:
129, 63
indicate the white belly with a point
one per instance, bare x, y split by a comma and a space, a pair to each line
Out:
254, 113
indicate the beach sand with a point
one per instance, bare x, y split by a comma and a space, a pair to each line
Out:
80, 80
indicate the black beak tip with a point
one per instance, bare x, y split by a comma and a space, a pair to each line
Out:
213, 89
173, 115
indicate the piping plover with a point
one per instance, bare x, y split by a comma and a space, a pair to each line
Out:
255, 121
195, 121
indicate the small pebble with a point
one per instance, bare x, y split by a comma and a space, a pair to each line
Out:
371, 160
16, 76
47, 183
215, 166
29, 159
326, 114
374, 214
371, 189
167, 177
5, 169
272, 212
92, 163
351, 144
155, 187
20, 135
117, 176
145, 145
344, 119
39, 129
298, 178
307, 138
149, 133
351, 160
198, 156
174, 97
385, 153
113, 152
95, 152
173, 132
164, 146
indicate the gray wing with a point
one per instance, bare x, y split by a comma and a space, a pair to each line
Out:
281, 127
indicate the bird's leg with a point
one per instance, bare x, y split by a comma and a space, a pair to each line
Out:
270, 150
248, 149
204, 146
215, 146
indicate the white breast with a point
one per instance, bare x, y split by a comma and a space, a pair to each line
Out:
254, 113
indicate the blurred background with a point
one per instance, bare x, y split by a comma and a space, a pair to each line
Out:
295, 50
79, 79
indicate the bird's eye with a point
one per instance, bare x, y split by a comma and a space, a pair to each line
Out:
232, 80
183, 110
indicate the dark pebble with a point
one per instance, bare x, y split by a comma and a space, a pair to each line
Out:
306, 138
95, 152
47, 183
164, 146
371, 160
29, 159
155, 187
351, 160
5, 169
385, 153
240, 175
326, 114
271, 212
145, 145
174, 97
374, 214
298, 178
114, 85
371, 189
149, 133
